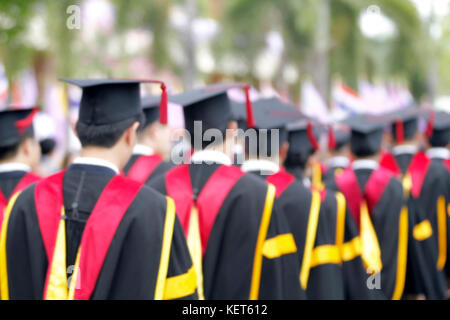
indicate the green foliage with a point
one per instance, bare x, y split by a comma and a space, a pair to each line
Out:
151, 15
14, 51
245, 24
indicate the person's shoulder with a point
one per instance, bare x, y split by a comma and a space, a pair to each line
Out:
438, 168
26, 196
297, 189
250, 182
145, 196
394, 186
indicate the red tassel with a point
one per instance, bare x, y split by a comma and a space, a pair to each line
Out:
163, 113
331, 139
23, 124
399, 131
248, 103
311, 137
430, 126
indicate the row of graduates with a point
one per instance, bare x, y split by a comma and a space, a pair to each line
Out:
209, 229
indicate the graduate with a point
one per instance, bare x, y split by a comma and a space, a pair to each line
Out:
108, 236
239, 241
437, 184
405, 139
375, 199
301, 207
19, 153
339, 153
337, 245
423, 279
153, 145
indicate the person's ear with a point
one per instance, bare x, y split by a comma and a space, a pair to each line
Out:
231, 130
284, 148
232, 125
130, 134
27, 147
74, 129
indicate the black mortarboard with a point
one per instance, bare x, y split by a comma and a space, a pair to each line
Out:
366, 134
15, 124
405, 124
338, 136
273, 114
211, 106
108, 101
150, 107
438, 129
239, 114
303, 137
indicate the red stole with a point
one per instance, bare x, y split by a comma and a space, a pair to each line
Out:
373, 191
143, 167
208, 202
447, 164
281, 180
417, 169
388, 161
26, 180
98, 232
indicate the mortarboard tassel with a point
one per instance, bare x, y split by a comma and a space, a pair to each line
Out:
248, 104
430, 125
331, 139
163, 113
399, 131
23, 124
311, 137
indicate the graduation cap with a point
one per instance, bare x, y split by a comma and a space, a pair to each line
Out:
273, 114
303, 137
438, 129
211, 106
150, 107
15, 124
366, 134
338, 136
405, 124
239, 114
108, 101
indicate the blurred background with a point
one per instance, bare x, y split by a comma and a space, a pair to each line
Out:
330, 58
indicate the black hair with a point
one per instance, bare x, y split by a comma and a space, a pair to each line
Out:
366, 145
440, 140
107, 135
47, 146
298, 159
11, 151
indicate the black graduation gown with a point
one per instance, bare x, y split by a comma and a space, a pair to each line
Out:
325, 277
132, 262
423, 276
353, 271
343, 280
385, 218
329, 177
9, 181
436, 185
404, 160
162, 168
229, 255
